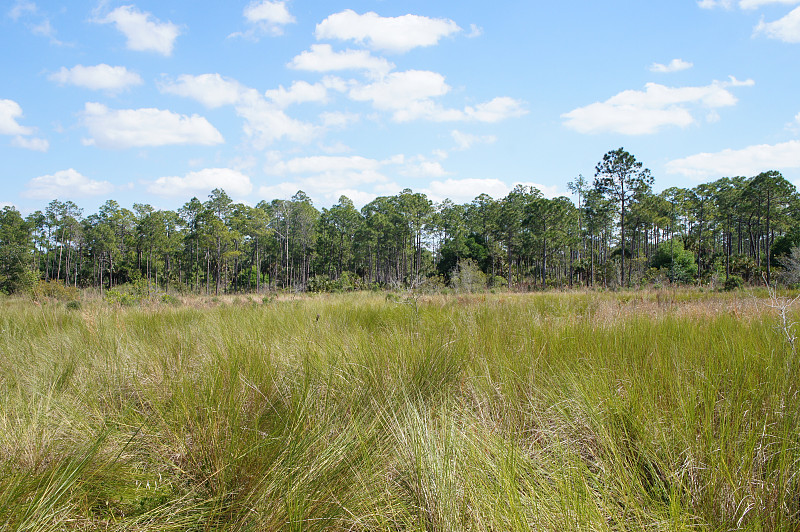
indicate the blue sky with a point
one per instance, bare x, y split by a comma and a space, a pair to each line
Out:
156, 102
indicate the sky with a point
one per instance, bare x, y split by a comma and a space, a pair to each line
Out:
160, 101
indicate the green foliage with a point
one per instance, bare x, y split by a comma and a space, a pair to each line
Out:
169, 299
15, 251
121, 296
57, 290
676, 262
733, 282
468, 277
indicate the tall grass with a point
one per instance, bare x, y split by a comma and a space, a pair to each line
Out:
656, 411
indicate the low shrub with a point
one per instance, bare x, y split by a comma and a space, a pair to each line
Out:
54, 290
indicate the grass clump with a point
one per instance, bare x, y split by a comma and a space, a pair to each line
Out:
566, 411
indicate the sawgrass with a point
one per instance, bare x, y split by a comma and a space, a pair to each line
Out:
583, 411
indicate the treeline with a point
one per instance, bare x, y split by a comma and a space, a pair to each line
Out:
619, 232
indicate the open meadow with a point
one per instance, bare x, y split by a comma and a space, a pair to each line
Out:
651, 410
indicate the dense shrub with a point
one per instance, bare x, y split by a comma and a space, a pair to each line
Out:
54, 290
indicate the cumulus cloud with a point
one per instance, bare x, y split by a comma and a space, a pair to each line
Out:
130, 128
711, 4
65, 184
422, 167
465, 190
265, 120
400, 90
299, 92
266, 123
786, 29
495, 110
322, 58
144, 33
393, 34
752, 4
326, 177
10, 112
409, 96
31, 143
265, 17
98, 77
211, 90
645, 112
747, 161
338, 119
323, 163
465, 141
676, 65
232, 181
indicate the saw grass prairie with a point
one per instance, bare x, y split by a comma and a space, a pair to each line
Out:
578, 411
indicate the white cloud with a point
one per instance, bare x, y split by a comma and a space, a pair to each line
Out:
710, 4
676, 65
283, 190
394, 34
10, 112
319, 164
338, 119
299, 92
465, 190
45, 29
748, 161
65, 184
336, 147
28, 143
322, 58
38, 23
211, 90
128, 128
422, 167
325, 178
496, 110
144, 32
400, 90
645, 112
408, 95
474, 31
269, 12
266, 17
98, 77
465, 141
753, 4
232, 181
265, 121
22, 7
786, 29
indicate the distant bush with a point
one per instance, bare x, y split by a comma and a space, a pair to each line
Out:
54, 290
169, 299
73, 305
121, 296
733, 282
498, 281
674, 261
468, 277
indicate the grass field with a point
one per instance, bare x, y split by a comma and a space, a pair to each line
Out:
585, 411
